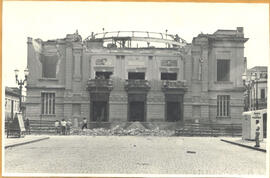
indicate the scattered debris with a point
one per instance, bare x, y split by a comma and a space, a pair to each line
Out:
143, 164
119, 131
193, 152
136, 125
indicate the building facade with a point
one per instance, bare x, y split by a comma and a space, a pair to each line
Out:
122, 77
258, 92
12, 102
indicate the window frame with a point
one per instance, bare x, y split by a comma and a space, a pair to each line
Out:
168, 73
120, 56
223, 106
142, 73
262, 89
106, 74
45, 65
227, 76
48, 107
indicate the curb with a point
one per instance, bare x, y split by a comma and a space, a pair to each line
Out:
246, 146
27, 142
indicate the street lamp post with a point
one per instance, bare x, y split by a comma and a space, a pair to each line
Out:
248, 83
21, 83
256, 78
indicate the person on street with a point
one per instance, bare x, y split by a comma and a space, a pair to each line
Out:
57, 127
257, 137
68, 126
84, 123
27, 126
63, 125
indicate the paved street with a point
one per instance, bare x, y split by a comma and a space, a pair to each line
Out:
133, 155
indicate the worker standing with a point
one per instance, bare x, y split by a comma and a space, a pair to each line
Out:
84, 126
57, 127
63, 126
257, 137
27, 126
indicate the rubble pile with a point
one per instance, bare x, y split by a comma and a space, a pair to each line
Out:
119, 131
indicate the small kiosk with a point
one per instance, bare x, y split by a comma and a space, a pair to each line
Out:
16, 127
249, 124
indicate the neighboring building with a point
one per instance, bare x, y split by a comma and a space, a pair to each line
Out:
258, 92
12, 102
111, 78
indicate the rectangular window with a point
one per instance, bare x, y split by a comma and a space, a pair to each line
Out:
223, 106
100, 111
49, 64
263, 75
262, 93
168, 76
8, 104
136, 75
223, 70
12, 108
103, 75
16, 106
120, 57
47, 103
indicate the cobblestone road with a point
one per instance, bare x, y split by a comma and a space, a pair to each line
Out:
134, 155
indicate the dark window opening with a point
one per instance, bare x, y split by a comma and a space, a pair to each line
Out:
120, 57
103, 75
12, 109
100, 111
136, 75
49, 64
168, 76
136, 111
262, 93
173, 111
223, 70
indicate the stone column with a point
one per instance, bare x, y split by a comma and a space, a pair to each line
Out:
77, 66
204, 69
68, 67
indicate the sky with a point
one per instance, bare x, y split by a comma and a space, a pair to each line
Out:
52, 20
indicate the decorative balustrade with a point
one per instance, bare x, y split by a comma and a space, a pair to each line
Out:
173, 84
137, 84
99, 84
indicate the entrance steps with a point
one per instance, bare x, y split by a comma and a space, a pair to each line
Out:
44, 126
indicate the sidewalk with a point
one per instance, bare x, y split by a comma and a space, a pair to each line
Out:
246, 143
11, 142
